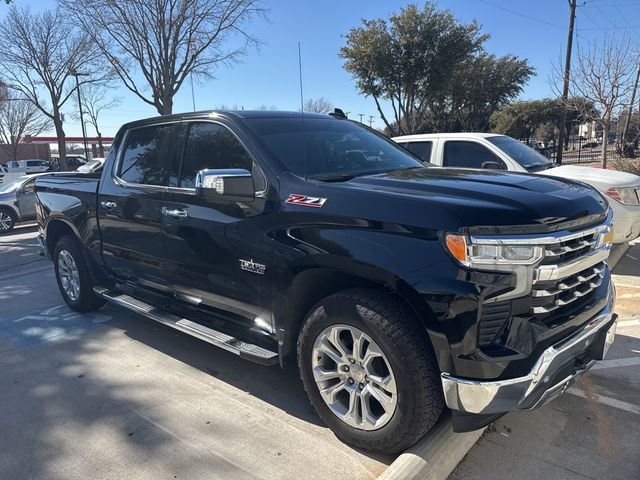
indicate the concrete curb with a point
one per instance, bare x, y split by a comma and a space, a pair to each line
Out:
435, 456
617, 253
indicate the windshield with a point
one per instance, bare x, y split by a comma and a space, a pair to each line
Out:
521, 153
328, 148
13, 184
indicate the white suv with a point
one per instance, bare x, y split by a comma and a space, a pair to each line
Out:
491, 151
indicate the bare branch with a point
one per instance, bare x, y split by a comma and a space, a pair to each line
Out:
166, 40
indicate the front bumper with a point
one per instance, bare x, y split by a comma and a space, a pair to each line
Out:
556, 369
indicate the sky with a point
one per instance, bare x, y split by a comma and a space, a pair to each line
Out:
535, 30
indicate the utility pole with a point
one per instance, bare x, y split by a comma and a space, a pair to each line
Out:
84, 131
565, 86
633, 99
370, 120
361, 115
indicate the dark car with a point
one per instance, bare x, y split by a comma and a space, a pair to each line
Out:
313, 241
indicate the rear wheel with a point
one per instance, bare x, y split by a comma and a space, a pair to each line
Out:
369, 370
8, 220
73, 277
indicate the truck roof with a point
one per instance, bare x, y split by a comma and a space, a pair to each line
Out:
426, 136
244, 114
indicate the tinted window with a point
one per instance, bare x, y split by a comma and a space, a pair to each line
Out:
324, 148
145, 158
422, 150
28, 186
521, 153
210, 145
468, 155
36, 163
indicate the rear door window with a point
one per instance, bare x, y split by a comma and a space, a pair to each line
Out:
463, 154
211, 146
146, 156
422, 150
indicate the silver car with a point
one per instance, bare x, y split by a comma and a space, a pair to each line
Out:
17, 202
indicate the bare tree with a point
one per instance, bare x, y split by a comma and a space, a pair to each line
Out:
165, 40
95, 99
39, 52
19, 121
603, 76
318, 105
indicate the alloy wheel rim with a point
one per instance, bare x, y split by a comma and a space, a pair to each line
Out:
354, 377
69, 276
5, 221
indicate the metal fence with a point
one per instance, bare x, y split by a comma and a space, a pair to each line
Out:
589, 152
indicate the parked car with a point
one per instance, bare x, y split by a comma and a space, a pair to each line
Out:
17, 202
91, 166
28, 166
593, 144
6, 177
73, 161
486, 150
290, 239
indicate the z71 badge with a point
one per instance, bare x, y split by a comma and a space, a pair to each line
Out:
305, 201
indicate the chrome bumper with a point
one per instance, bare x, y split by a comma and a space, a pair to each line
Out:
539, 386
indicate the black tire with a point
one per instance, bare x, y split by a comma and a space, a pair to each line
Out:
87, 300
12, 219
393, 326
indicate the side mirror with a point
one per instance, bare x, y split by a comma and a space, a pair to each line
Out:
491, 165
229, 184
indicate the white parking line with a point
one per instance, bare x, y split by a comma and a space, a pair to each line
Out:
612, 402
618, 362
628, 323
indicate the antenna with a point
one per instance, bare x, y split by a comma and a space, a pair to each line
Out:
300, 74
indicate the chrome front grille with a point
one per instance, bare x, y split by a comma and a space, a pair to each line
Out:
556, 294
567, 250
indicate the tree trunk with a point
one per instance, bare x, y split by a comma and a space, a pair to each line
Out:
605, 143
62, 144
166, 107
100, 145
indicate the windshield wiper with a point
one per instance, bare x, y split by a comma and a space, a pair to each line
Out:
335, 178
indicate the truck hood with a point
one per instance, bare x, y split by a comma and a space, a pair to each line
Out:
489, 198
600, 178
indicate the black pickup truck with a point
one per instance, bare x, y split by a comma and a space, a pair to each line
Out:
313, 241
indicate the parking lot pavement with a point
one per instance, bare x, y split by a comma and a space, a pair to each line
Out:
19, 248
589, 432
113, 395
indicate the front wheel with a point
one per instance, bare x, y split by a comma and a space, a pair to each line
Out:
369, 370
73, 277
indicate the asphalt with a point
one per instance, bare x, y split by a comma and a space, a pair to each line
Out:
592, 431
111, 395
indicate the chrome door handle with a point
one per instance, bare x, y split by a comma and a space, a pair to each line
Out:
175, 212
108, 205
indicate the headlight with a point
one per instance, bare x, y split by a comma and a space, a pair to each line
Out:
472, 255
627, 196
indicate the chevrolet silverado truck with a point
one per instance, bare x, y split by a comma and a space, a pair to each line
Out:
314, 242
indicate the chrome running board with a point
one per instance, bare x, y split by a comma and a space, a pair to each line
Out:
245, 350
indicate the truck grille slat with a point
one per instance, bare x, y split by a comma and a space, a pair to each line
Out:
568, 290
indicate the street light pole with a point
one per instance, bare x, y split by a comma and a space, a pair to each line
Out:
84, 131
565, 86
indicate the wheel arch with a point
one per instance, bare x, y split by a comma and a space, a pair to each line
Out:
55, 229
311, 285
